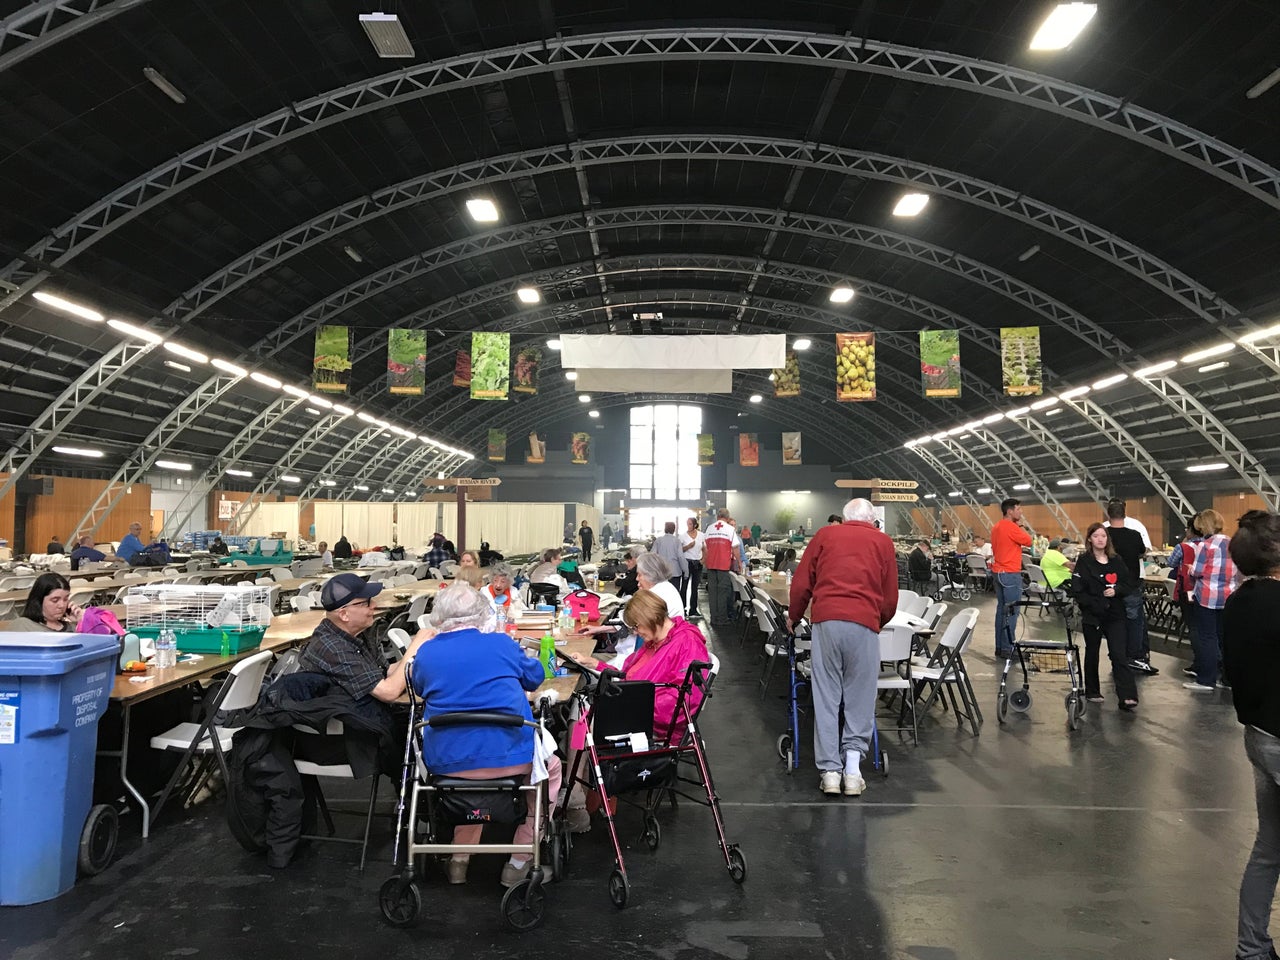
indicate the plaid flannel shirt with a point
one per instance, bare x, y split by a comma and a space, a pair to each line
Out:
344, 659
1213, 575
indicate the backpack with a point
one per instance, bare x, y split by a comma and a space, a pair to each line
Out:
103, 622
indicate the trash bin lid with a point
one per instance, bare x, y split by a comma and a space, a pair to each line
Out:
34, 654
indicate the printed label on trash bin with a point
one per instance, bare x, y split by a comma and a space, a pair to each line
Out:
9, 701
86, 702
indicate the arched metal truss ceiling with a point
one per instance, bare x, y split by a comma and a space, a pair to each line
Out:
1105, 112
40, 25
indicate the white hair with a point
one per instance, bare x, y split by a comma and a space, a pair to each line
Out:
461, 607
653, 567
859, 509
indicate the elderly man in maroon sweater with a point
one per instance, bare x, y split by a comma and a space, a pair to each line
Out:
850, 573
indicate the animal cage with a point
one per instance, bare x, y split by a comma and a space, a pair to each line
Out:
200, 616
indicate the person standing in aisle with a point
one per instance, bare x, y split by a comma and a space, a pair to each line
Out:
692, 542
756, 531
851, 575
1213, 579
668, 548
1251, 657
587, 537
720, 554
1129, 544
606, 534
1181, 560
1099, 584
1008, 537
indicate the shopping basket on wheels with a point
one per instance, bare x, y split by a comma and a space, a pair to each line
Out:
1045, 657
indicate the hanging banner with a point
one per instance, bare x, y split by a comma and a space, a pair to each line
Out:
706, 450
748, 450
791, 450
786, 379
1020, 361
855, 366
498, 446
580, 448
537, 449
333, 359
462, 369
407, 362
526, 371
940, 363
490, 365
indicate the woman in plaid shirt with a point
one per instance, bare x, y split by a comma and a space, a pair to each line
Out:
1213, 579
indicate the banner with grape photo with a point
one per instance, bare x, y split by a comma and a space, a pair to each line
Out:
706, 450
462, 369
498, 446
940, 363
333, 359
528, 360
791, 450
786, 381
490, 366
748, 450
580, 448
855, 366
1020, 361
407, 362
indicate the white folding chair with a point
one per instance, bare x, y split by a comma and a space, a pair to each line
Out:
946, 670
907, 597
916, 607
302, 603
435, 573
281, 573
307, 737
896, 644
978, 572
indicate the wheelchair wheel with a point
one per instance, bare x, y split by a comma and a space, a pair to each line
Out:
98, 839
1002, 706
652, 833
400, 901
883, 763
1082, 705
559, 855
737, 865
619, 889
785, 749
964, 594
1073, 710
1020, 700
524, 904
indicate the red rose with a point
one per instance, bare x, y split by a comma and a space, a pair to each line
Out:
1110, 578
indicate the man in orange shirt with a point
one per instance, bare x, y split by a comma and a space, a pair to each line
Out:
1008, 537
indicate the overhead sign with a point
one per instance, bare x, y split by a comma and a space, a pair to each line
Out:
880, 484
894, 498
468, 482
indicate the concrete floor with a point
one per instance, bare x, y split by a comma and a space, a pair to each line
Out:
1126, 838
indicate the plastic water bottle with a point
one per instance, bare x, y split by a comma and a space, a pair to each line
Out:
501, 626
547, 654
166, 650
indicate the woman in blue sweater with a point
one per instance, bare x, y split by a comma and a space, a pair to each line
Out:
469, 667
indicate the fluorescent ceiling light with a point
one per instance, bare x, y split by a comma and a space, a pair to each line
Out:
320, 401
983, 490
910, 444
226, 366
313, 411
401, 431
68, 306
388, 490
1210, 367
1073, 393
993, 418
841, 294
353, 253
1110, 381
924, 439
482, 210
1028, 253
290, 478
1022, 486
593, 413
930, 496
77, 451
1262, 334
1155, 368
361, 487
328, 483
384, 424
1205, 467
238, 473
1062, 25
973, 425
938, 436
266, 380
161, 83
177, 366
342, 409
173, 465
1069, 482
1017, 412
755, 398
293, 391
910, 204
954, 493
571, 375
366, 417
1054, 412
1214, 351
186, 352
387, 35
802, 343
553, 344
528, 295
954, 430
584, 398
1045, 404
139, 333
1263, 85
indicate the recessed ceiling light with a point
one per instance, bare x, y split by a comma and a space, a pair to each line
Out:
593, 413
77, 451
584, 398
138, 333
528, 295
161, 83
186, 352
482, 210
801, 343
1205, 467
68, 306
755, 398
387, 35
1210, 367
1062, 25
1155, 368
1215, 351
571, 375
910, 204
841, 294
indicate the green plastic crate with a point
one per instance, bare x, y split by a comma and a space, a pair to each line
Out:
193, 639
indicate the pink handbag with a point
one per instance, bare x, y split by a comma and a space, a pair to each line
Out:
581, 600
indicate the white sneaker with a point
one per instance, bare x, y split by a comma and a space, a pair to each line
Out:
830, 782
1197, 687
853, 784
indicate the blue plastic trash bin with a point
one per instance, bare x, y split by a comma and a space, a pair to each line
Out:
53, 689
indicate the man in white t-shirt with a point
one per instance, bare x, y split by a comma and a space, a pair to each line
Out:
691, 541
982, 549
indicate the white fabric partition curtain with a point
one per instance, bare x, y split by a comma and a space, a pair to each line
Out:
415, 523
365, 524
272, 518
512, 528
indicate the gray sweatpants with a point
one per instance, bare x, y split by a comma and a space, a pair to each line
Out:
846, 665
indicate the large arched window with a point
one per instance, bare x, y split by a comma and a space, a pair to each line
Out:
664, 452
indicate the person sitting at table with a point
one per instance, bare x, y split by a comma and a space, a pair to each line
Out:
55, 547
436, 552
467, 667
218, 548
326, 555
84, 552
342, 549
131, 544
628, 583
48, 607
468, 558
501, 593
546, 569
651, 574
920, 568
472, 576
1055, 565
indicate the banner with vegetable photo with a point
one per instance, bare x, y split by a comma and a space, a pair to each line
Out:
791, 450
407, 362
333, 359
462, 369
580, 448
537, 449
748, 450
1020, 361
490, 365
940, 363
786, 381
528, 360
706, 450
498, 446
855, 366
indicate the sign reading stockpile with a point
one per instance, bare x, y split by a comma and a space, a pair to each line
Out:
881, 489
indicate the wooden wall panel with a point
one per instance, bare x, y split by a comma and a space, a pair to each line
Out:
1234, 505
6, 513
56, 516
